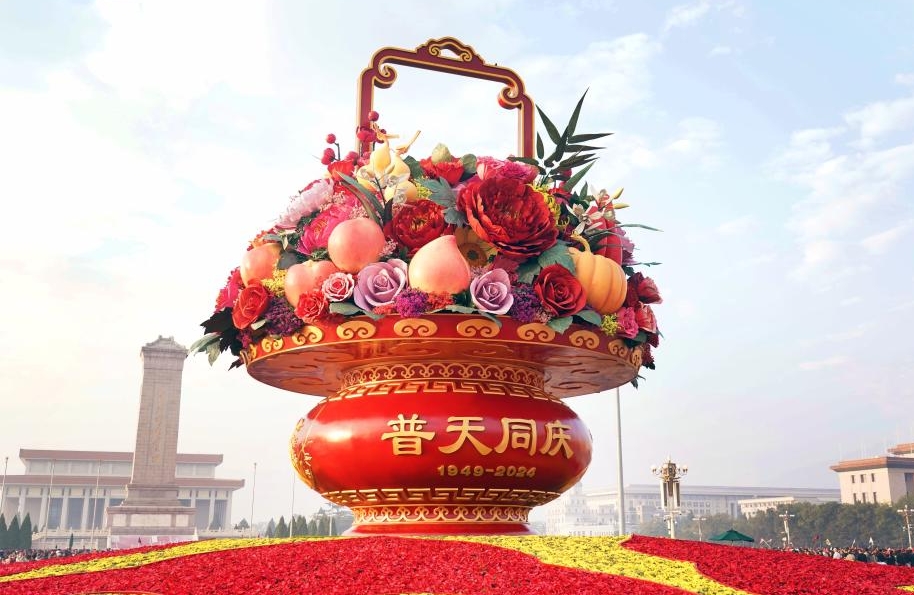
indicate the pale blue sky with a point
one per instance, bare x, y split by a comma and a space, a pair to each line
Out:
143, 143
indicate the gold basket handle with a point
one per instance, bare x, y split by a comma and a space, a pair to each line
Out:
467, 63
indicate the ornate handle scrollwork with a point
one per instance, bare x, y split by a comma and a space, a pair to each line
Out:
466, 63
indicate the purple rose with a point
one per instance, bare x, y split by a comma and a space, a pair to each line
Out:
491, 292
379, 284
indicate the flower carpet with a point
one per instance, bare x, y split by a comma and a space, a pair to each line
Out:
449, 566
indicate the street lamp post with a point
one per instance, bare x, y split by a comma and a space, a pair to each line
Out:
670, 474
699, 519
786, 516
253, 493
621, 502
906, 513
6, 461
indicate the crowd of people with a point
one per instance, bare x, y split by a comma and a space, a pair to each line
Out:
30, 555
877, 555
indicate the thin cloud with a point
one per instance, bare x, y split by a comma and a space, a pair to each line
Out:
737, 226
685, 15
821, 364
879, 243
720, 50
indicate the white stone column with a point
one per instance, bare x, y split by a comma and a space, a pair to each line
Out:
84, 518
228, 511
45, 509
64, 508
212, 508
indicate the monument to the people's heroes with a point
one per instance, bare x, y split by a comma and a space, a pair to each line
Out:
151, 512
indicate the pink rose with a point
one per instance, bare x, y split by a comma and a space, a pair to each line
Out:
338, 286
316, 234
491, 292
379, 284
628, 324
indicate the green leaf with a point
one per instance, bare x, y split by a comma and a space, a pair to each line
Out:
573, 122
577, 178
219, 322
454, 217
441, 192
635, 381
558, 254
578, 148
590, 316
551, 130
528, 270
203, 343
345, 308
559, 325
540, 149
583, 138
460, 309
287, 259
415, 170
368, 199
576, 160
638, 225
212, 353
491, 317
527, 160
469, 164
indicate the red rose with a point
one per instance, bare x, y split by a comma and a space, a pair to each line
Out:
641, 289
252, 302
416, 224
312, 306
449, 171
510, 215
560, 293
229, 293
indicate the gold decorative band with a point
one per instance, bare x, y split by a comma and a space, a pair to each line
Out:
440, 514
381, 497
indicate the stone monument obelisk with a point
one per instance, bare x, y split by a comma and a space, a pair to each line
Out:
151, 512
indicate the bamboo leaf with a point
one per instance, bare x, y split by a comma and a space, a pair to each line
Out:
579, 148
551, 130
638, 225
368, 199
540, 149
577, 177
573, 122
583, 138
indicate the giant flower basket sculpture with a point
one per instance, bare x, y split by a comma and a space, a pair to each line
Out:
442, 308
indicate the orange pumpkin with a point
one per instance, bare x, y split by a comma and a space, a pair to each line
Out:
603, 279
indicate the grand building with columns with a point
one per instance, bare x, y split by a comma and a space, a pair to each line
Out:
882, 479
67, 492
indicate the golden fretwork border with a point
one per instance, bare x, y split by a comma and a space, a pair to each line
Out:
442, 377
440, 514
434, 496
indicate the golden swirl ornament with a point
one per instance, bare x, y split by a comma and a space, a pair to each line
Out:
356, 329
534, 331
478, 327
420, 327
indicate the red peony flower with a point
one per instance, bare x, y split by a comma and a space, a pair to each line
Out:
252, 302
642, 289
229, 293
416, 224
558, 290
628, 324
313, 306
449, 171
510, 215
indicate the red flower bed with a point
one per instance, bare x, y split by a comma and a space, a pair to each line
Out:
364, 566
779, 573
19, 567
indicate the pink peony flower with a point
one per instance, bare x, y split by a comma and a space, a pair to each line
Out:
489, 167
316, 234
628, 324
313, 197
491, 292
645, 318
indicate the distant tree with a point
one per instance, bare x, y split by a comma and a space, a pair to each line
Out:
299, 525
12, 534
25, 533
312, 527
271, 528
242, 525
281, 529
3, 536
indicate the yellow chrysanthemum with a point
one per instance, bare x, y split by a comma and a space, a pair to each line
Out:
550, 201
277, 284
474, 249
610, 324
